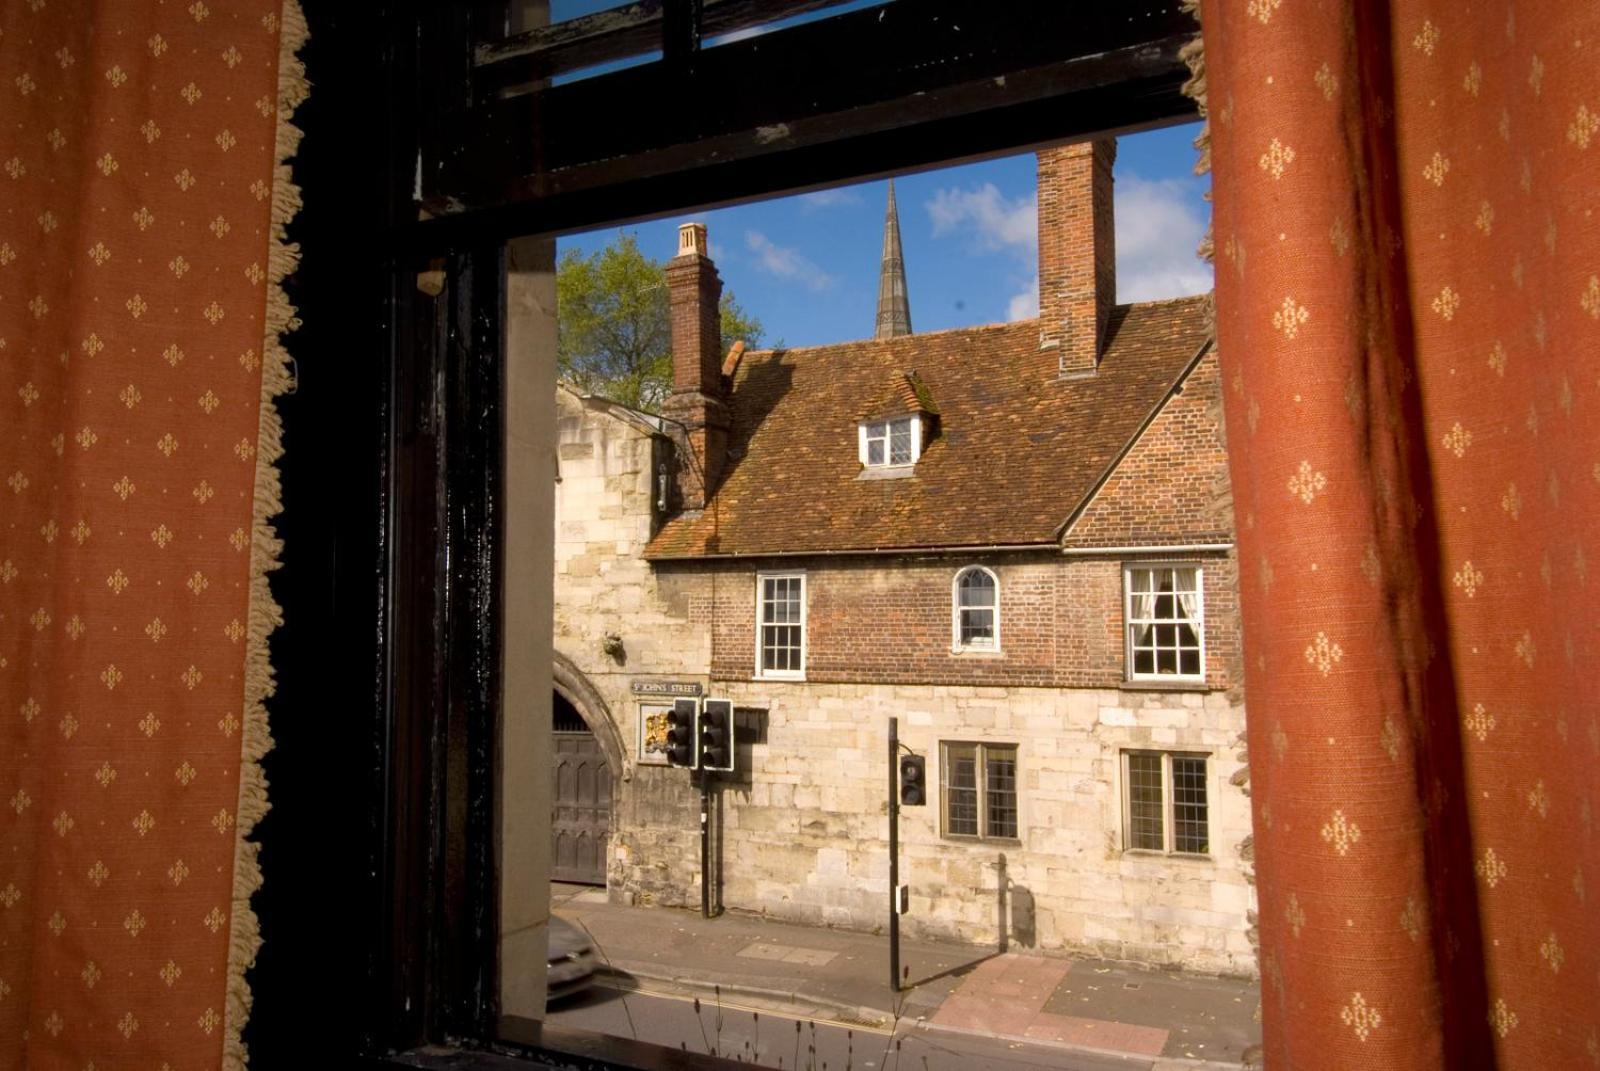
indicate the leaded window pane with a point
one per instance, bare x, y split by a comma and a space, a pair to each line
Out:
961, 791
1001, 786
900, 442
1145, 832
1189, 810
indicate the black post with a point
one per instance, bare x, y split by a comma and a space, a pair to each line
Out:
705, 845
894, 855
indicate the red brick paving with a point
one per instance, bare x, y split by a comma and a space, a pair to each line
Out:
1006, 995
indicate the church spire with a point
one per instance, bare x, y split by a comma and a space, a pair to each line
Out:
894, 304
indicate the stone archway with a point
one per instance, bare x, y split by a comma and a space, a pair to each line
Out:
576, 688
586, 761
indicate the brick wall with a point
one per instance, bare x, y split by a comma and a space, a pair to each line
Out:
885, 620
1172, 486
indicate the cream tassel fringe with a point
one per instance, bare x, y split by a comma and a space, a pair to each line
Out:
244, 938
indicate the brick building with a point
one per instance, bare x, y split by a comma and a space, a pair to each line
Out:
1014, 538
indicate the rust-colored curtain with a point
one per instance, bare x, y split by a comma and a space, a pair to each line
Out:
142, 199
1407, 246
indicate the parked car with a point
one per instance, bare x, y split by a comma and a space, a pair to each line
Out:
572, 960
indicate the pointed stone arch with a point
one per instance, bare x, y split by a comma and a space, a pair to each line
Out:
577, 689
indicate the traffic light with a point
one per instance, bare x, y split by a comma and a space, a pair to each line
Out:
913, 780
681, 749
716, 735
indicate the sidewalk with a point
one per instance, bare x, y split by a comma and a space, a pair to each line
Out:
1166, 1017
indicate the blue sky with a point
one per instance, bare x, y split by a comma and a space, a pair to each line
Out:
807, 266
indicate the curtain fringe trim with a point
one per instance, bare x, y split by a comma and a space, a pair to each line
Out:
244, 938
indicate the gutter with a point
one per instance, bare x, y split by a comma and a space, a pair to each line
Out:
990, 548
1165, 548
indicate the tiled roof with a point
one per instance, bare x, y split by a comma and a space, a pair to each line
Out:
905, 395
1018, 447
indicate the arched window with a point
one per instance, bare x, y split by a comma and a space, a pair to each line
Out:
975, 617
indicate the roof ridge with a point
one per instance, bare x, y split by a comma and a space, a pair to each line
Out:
904, 340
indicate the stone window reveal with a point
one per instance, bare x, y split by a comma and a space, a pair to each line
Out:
1164, 803
979, 789
1166, 622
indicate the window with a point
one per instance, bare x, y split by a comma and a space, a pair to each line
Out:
886, 443
975, 624
979, 788
1166, 622
781, 625
1164, 803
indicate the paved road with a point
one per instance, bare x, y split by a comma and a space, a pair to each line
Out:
773, 1041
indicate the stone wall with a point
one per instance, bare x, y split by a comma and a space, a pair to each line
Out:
811, 849
804, 823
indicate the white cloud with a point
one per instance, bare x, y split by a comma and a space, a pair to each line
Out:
1158, 229
1157, 225
993, 221
830, 198
1024, 305
786, 263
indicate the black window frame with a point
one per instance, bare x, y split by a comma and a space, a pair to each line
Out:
393, 480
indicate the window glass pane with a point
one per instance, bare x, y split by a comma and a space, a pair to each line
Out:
780, 635
874, 451
900, 442
1189, 829
1144, 803
977, 627
1001, 788
1185, 581
1164, 621
961, 790
977, 588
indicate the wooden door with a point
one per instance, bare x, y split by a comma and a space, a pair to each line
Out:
580, 819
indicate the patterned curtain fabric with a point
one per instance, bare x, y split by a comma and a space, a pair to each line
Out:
142, 199
1408, 310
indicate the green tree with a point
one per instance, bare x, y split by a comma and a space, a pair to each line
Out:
615, 333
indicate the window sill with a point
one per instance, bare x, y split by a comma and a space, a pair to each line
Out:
799, 678
887, 472
1177, 684
1178, 857
980, 842
976, 652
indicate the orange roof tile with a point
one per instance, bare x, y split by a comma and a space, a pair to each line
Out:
1017, 449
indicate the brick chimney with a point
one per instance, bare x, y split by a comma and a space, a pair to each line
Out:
1077, 252
696, 403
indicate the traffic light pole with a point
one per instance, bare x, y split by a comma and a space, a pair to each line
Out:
705, 844
894, 855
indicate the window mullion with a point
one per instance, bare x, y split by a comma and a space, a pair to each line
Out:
981, 779
1168, 835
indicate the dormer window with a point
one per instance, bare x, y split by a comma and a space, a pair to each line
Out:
896, 427
891, 443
